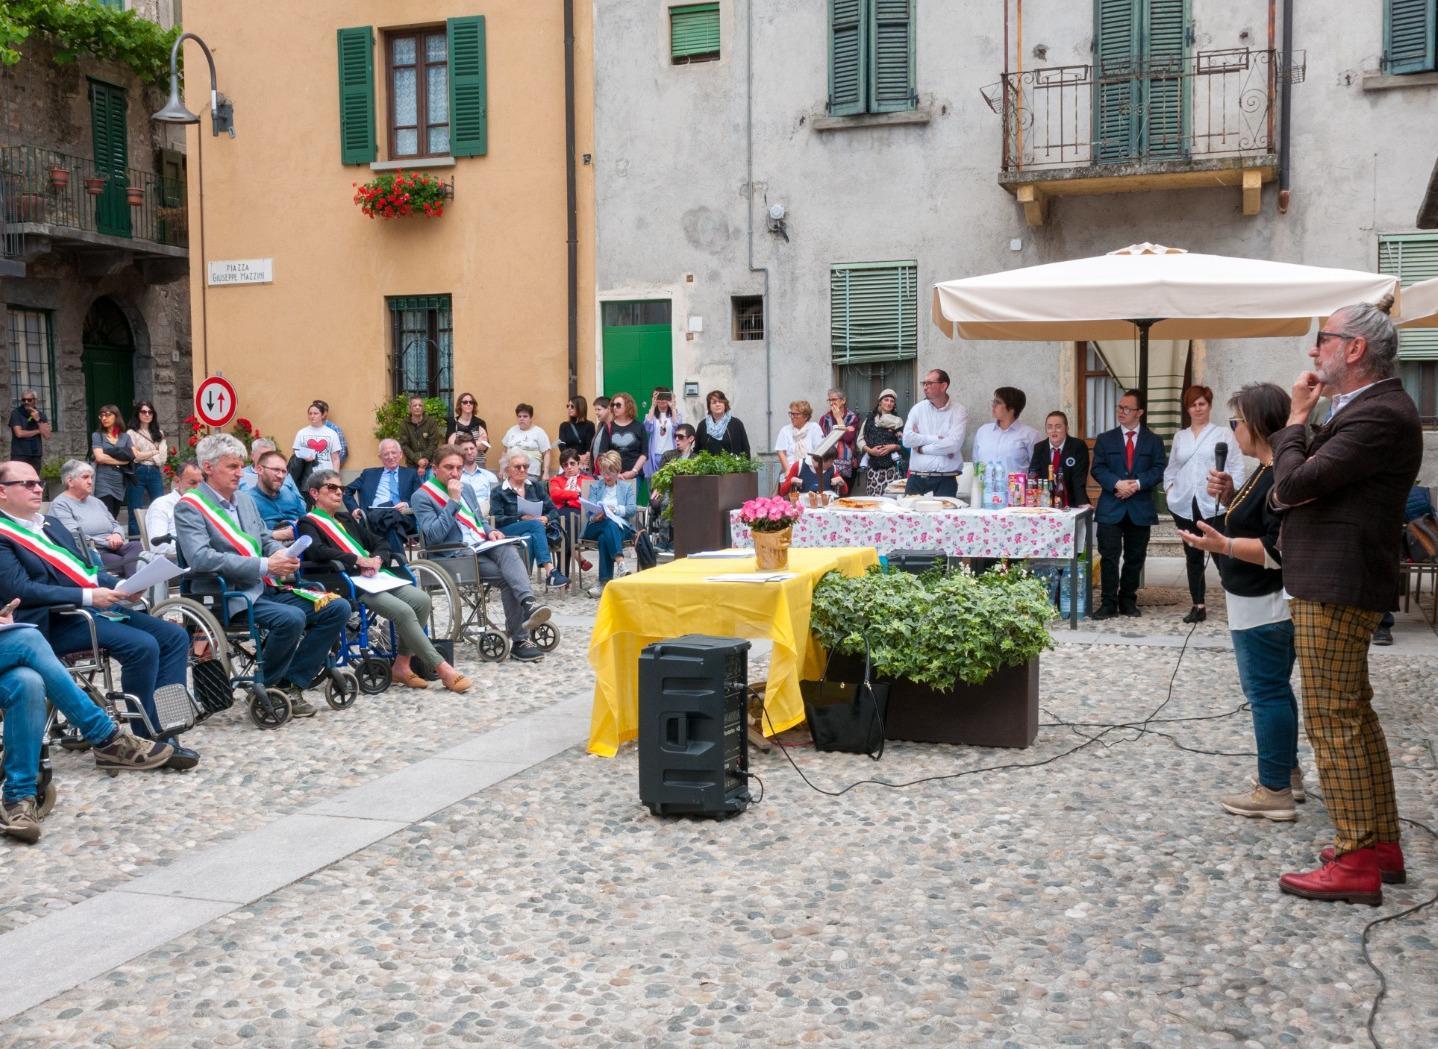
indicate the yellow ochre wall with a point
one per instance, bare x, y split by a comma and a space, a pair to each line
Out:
278, 190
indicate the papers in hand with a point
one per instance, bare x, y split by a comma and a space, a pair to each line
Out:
378, 583
752, 577
528, 507
298, 547
589, 506
160, 570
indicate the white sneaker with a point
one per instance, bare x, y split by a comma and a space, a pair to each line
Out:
595, 591
1295, 785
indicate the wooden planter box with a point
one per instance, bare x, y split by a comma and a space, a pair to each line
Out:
701, 509
1002, 712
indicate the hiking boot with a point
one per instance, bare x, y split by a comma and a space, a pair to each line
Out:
18, 819
1295, 784
534, 615
1260, 801
1352, 877
526, 651
299, 706
1390, 862
127, 753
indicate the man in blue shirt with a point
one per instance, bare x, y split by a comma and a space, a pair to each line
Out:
249, 480
383, 493
280, 506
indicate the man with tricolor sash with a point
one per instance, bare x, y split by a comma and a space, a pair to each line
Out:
445, 514
220, 533
42, 564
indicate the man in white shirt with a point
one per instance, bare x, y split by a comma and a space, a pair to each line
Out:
934, 434
160, 517
473, 476
1006, 440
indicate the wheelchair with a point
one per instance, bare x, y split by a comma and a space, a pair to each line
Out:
454, 568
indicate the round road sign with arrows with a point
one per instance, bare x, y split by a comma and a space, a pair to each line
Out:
215, 401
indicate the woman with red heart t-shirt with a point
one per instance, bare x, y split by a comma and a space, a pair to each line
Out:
317, 443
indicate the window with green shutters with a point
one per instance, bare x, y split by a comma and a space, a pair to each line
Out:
873, 312
356, 70
1141, 108
694, 33
1410, 35
871, 56
1413, 257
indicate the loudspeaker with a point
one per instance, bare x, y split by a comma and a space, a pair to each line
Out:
693, 747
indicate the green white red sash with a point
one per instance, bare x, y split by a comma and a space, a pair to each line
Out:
52, 553
244, 543
338, 536
463, 514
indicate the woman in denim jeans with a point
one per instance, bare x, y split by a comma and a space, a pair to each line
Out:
616, 495
1245, 545
147, 441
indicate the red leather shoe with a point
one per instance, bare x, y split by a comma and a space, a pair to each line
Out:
1390, 862
1352, 877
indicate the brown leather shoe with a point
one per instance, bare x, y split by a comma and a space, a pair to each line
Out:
458, 683
411, 680
1352, 877
1390, 862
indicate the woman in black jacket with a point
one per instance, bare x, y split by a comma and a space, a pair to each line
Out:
719, 431
1245, 545
533, 528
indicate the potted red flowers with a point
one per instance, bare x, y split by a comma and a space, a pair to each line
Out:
400, 193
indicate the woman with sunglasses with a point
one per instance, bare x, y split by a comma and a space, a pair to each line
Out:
147, 441
576, 433
625, 434
465, 421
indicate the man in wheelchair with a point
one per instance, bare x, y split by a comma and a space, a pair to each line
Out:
222, 539
446, 516
42, 564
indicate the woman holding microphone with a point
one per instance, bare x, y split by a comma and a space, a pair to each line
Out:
1244, 542
1185, 482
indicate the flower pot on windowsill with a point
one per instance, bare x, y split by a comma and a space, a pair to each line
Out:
94, 186
59, 178
134, 196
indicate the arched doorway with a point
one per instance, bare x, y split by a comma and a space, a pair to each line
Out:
108, 360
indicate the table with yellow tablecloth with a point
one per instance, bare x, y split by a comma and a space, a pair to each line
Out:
677, 599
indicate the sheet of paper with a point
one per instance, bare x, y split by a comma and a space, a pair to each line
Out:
490, 544
298, 547
378, 583
704, 554
591, 507
752, 577
529, 507
160, 570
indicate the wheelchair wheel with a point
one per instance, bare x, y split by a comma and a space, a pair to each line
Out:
446, 613
269, 707
342, 688
373, 673
207, 643
493, 646
546, 636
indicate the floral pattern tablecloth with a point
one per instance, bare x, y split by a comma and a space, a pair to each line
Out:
959, 533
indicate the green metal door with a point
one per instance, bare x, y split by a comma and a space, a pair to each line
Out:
638, 348
109, 379
112, 158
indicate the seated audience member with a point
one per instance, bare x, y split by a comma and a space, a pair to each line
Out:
29, 672
249, 479
565, 488
474, 476
419, 436
445, 515
79, 511
504, 502
338, 536
383, 492
1066, 456
42, 565
220, 533
660, 527
609, 527
279, 507
160, 517
1006, 440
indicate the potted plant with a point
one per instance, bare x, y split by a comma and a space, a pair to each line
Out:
50, 474
702, 490
961, 652
771, 523
400, 193
95, 185
59, 178
389, 417
134, 195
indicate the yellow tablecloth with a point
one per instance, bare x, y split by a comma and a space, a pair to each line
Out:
677, 599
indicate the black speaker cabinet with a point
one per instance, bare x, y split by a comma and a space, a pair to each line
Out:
693, 747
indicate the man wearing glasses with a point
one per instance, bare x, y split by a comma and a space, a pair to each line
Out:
280, 506
28, 430
1345, 484
934, 433
1128, 461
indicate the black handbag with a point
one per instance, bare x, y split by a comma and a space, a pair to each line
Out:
847, 717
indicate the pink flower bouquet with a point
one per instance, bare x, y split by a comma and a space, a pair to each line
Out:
769, 514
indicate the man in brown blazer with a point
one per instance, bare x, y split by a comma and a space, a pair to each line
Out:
1344, 484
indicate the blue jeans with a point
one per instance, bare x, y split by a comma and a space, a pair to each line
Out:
611, 543
30, 672
1265, 657
533, 533
144, 488
298, 638
151, 652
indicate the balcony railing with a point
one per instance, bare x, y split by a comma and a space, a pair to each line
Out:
1205, 106
46, 188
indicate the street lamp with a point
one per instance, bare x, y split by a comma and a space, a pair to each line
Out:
222, 112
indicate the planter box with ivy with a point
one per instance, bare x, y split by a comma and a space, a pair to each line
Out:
961, 652
702, 490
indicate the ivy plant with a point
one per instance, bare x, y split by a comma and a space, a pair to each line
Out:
706, 463
87, 28
938, 628
392, 413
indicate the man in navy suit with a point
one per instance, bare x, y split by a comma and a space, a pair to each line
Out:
1128, 462
383, 493
41, 564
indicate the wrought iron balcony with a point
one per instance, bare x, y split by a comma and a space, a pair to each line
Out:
1198, 120
51, 200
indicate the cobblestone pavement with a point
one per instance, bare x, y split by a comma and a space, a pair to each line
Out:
1101, 899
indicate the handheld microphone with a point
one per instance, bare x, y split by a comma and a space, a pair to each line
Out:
1220, 455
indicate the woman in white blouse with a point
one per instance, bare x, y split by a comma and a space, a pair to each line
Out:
1186, 479
796, 441
1006, 440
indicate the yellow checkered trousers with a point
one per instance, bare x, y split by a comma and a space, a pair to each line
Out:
1348, 744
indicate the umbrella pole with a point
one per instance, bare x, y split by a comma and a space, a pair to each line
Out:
1143, 327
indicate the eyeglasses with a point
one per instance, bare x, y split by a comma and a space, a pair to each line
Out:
330, 486
1124, 409
273, 469
932, 382
34, 486
145, 411
27, 400
468, 401
1233, 423
796, 415
1335, 335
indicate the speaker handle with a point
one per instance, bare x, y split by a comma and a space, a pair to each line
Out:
680, 739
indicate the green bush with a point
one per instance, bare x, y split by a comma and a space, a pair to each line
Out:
389, 415
707, 463
88, 29
938, 628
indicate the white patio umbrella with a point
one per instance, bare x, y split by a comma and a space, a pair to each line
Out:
1419, 305
1163, 292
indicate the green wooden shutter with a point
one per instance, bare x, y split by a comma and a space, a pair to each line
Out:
1410, 31
891, 62
873, 312
468, 88
694, 32
1412, 257
1115, 92
848, 38
110, 139
1165, 43
356, 63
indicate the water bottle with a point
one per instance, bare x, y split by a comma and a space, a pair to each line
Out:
976, 492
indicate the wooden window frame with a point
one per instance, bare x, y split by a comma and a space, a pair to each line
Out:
421, 67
